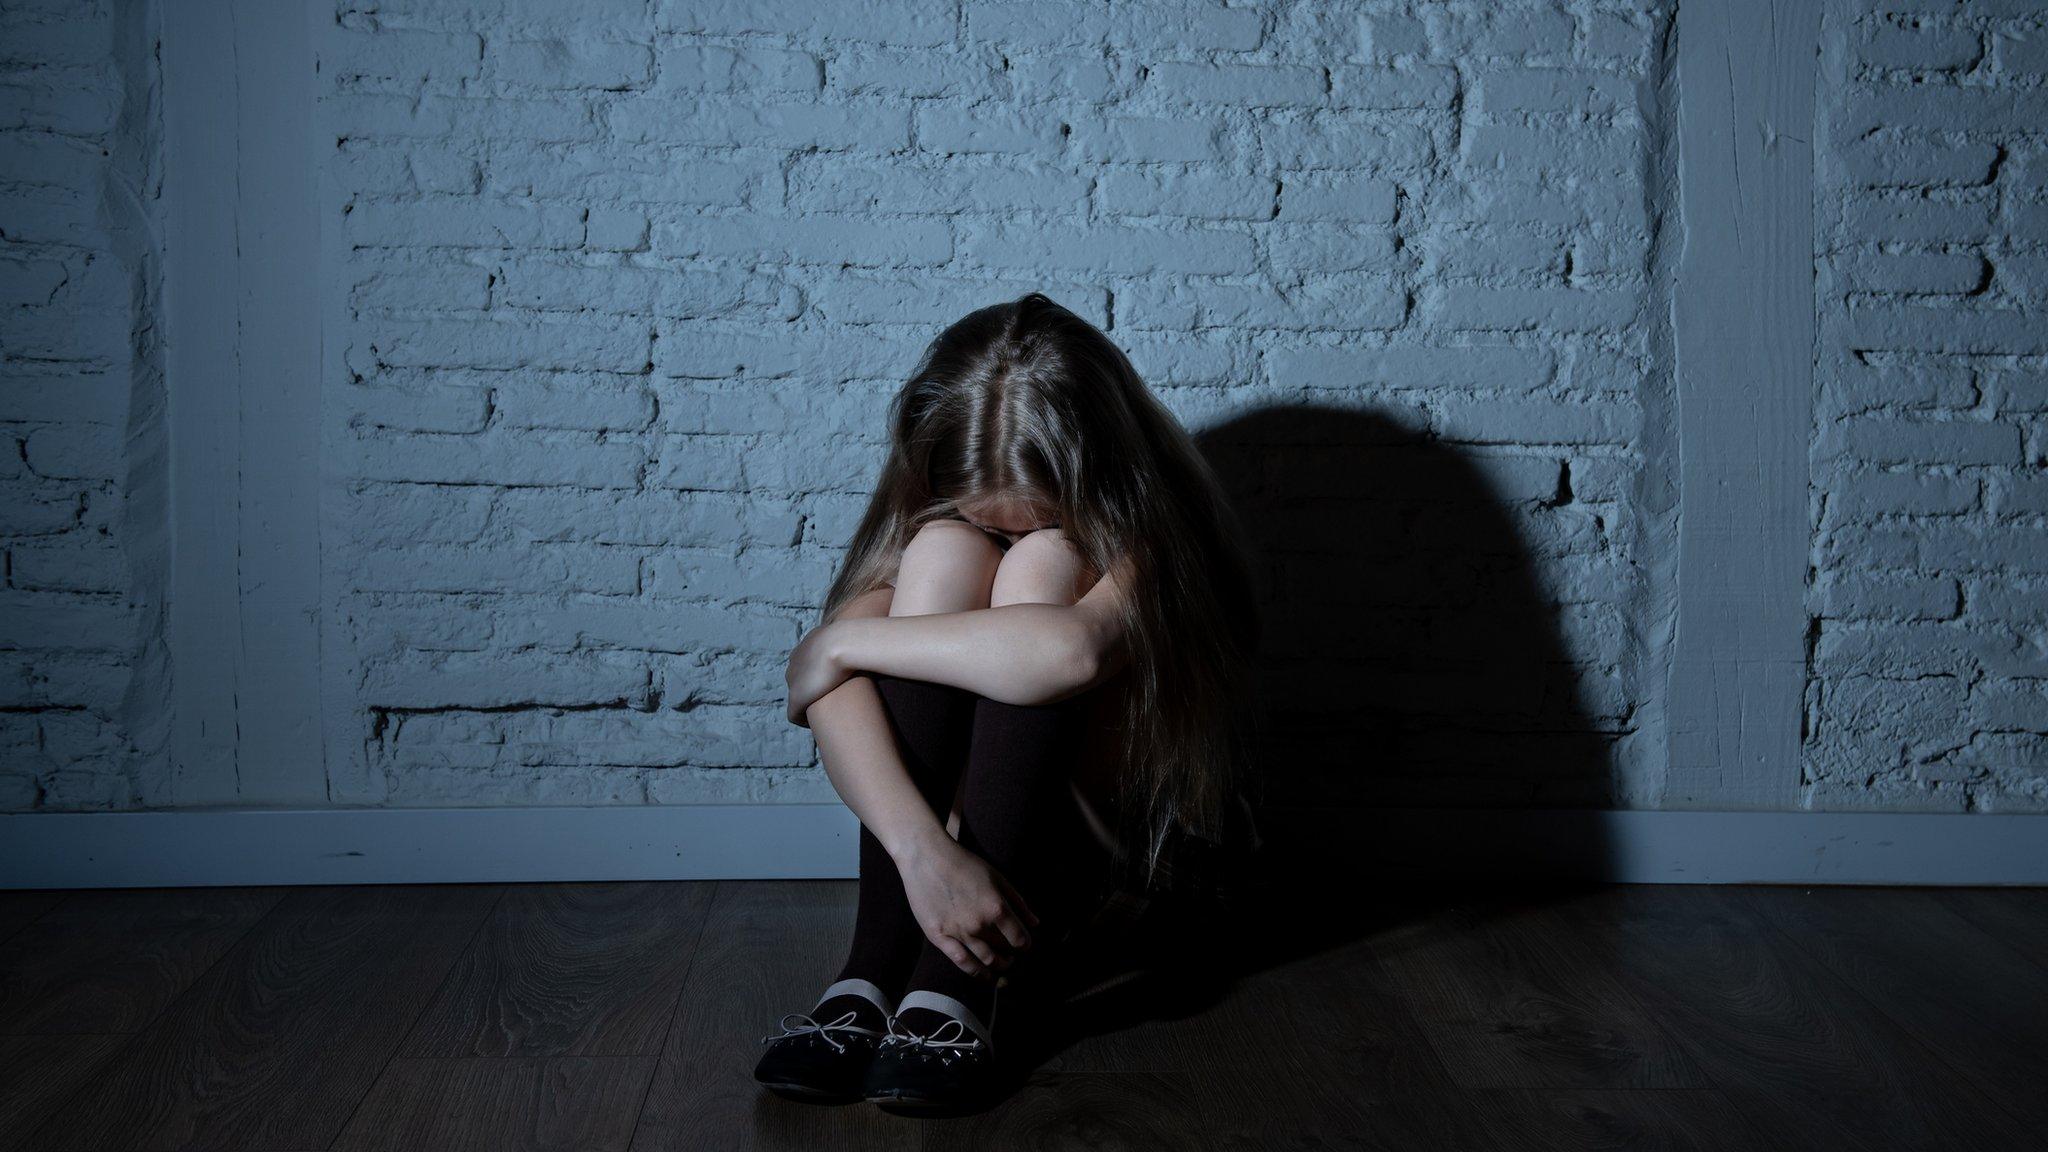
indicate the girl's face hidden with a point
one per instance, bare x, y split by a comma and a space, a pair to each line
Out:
1007, 516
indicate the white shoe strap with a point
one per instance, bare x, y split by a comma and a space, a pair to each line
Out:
866, 989
940, 1002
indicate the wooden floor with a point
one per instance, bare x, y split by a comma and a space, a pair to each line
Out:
615, 1016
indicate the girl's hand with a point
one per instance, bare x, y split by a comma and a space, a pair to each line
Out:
813, 672
965, 907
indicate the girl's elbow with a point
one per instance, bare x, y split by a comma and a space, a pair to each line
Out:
1083, 662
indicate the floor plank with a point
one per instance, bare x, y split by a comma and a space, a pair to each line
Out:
1122, 1110
19, 907
276, 1045
2016, 917
1797, 1049
37, 1074
109, 960
1511, 998
1312, 1052
1680, 1120
568, 970
769, 947
604, 1016
518, 1104
1296, 1059
1976, 1003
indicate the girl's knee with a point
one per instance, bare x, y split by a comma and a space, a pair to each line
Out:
948, 566
1042, 567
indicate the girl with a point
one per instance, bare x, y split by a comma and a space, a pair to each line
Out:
1027, 685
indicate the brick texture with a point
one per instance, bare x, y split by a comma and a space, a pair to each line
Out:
627, 297
625, 286
84, 690
1928, 686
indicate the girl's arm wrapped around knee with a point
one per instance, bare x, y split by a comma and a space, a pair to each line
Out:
861, 758
1013, 653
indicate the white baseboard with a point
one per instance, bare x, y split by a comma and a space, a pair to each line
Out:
426, 845
787, 841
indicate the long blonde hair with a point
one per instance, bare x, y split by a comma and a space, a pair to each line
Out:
1026, 398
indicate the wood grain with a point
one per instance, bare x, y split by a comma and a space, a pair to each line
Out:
1311, 1052
1511, 998
19, 907
1124, 1110
1813, 1061
1646, 1017
769, 947
568, 970
1973, 1001
38, 1073
520, 1104
2016, 917
109, 960
275, 1045
1681, 1120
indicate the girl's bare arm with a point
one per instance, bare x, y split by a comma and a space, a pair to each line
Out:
861, 758
1013, 653
964, 907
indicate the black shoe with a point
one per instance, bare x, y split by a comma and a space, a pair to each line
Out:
949, 1067
827, 1063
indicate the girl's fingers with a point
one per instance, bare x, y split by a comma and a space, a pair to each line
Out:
1013, 932
959, 955
999, 943
982, 951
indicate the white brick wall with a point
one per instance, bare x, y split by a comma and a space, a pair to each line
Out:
625, 285
1930, 602
83, 690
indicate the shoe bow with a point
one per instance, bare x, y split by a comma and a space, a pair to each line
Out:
806, 1026
946, 1039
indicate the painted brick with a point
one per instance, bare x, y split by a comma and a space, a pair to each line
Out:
73, 451
914, 72
1245, 85
1552, 90
495, 461
1882, 441
1416, 86
1533, 422
624, 287
1921, 48
818, 239
1135, 139
880, 22
1853, 595
752, 68
955, 131
402, 54
1881, 163
1192, 196
568, 63
1317, 196
789, 124
465, 224
1127, 250
1488, 308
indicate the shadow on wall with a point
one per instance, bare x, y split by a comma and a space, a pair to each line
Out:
1410, 657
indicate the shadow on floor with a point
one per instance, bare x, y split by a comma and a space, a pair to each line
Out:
1411, 659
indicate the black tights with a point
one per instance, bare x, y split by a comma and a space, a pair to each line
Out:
1012, 764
